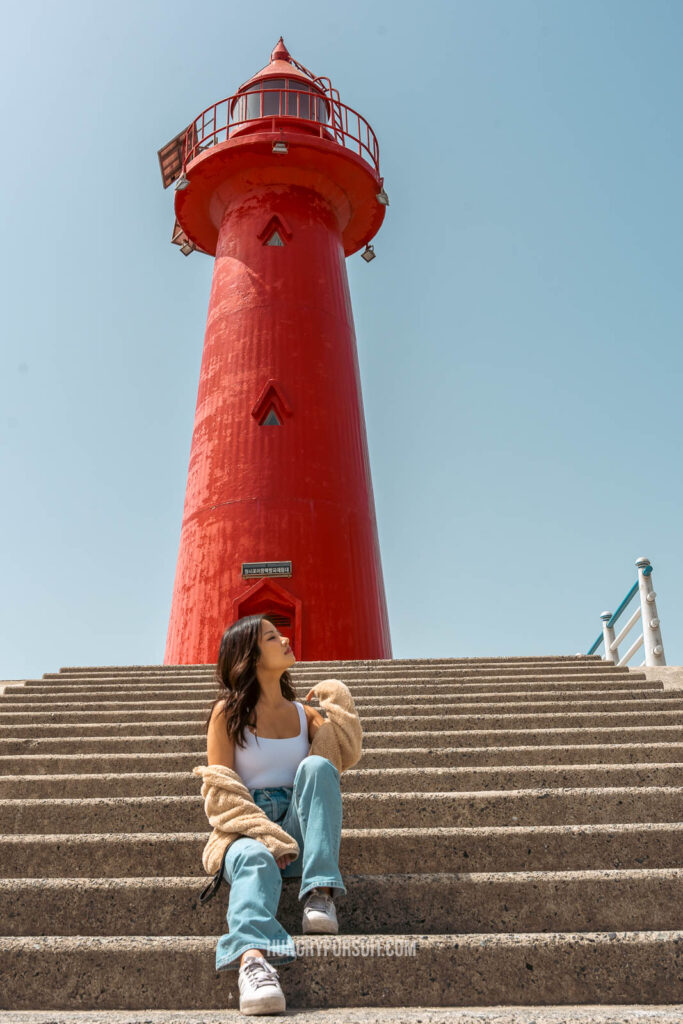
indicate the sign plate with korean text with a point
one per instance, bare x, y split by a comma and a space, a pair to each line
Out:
266, 569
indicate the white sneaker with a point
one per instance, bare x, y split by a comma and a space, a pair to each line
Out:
259, 987
320, 917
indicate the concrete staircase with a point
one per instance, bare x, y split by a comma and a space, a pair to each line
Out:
517, 823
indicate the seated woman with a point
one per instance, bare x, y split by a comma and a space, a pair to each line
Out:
259, 730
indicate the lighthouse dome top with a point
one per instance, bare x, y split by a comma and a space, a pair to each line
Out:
281, 65
285, 127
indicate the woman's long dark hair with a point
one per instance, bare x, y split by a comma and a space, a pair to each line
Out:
238, 684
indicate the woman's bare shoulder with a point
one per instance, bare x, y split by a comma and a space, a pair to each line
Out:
220, 748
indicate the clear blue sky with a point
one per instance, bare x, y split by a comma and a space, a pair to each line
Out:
519, 335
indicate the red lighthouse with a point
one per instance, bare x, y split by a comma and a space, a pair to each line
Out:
280, 183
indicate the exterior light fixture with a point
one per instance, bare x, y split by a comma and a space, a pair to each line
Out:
186, 248
280, 146
382, 197
368, 253
182, 182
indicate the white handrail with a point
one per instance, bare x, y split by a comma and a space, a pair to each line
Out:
632, 650
631, 622
650, 638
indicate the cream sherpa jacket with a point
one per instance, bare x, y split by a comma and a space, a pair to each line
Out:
230, 806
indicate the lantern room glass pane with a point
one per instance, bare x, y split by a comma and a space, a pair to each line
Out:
276, 97
272, 96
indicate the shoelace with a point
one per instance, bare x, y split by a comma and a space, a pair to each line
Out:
319, 901
259, 973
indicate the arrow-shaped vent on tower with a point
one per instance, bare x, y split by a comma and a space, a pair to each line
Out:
275, 232
271, 407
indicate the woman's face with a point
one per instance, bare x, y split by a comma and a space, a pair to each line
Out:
276, 654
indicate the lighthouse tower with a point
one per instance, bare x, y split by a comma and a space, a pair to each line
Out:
279, 182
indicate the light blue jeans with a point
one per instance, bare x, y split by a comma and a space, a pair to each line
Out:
311, 812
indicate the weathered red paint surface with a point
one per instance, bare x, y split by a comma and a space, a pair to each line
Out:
280, 333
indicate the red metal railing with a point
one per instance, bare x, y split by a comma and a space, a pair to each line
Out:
323, 114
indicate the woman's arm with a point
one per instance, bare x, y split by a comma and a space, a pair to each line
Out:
340, 737
220, 749
315, 720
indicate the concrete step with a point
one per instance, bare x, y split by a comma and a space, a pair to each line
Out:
562, 689
419, 706
305, 670
132, 972
356, 780
570, 1014
369, 693
377, 851
552, 901
380, 757
425, 719
388, 810
302, 685
528, 674
173, 741
430, 705
588, 661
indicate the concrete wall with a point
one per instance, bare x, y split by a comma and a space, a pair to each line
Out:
670, 675
7, 684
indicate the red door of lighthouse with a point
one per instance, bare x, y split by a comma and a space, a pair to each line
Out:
282, 608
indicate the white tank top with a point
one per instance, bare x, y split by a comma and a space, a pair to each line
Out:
265, 763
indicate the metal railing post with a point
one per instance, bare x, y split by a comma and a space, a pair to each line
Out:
608, 637
652, 634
